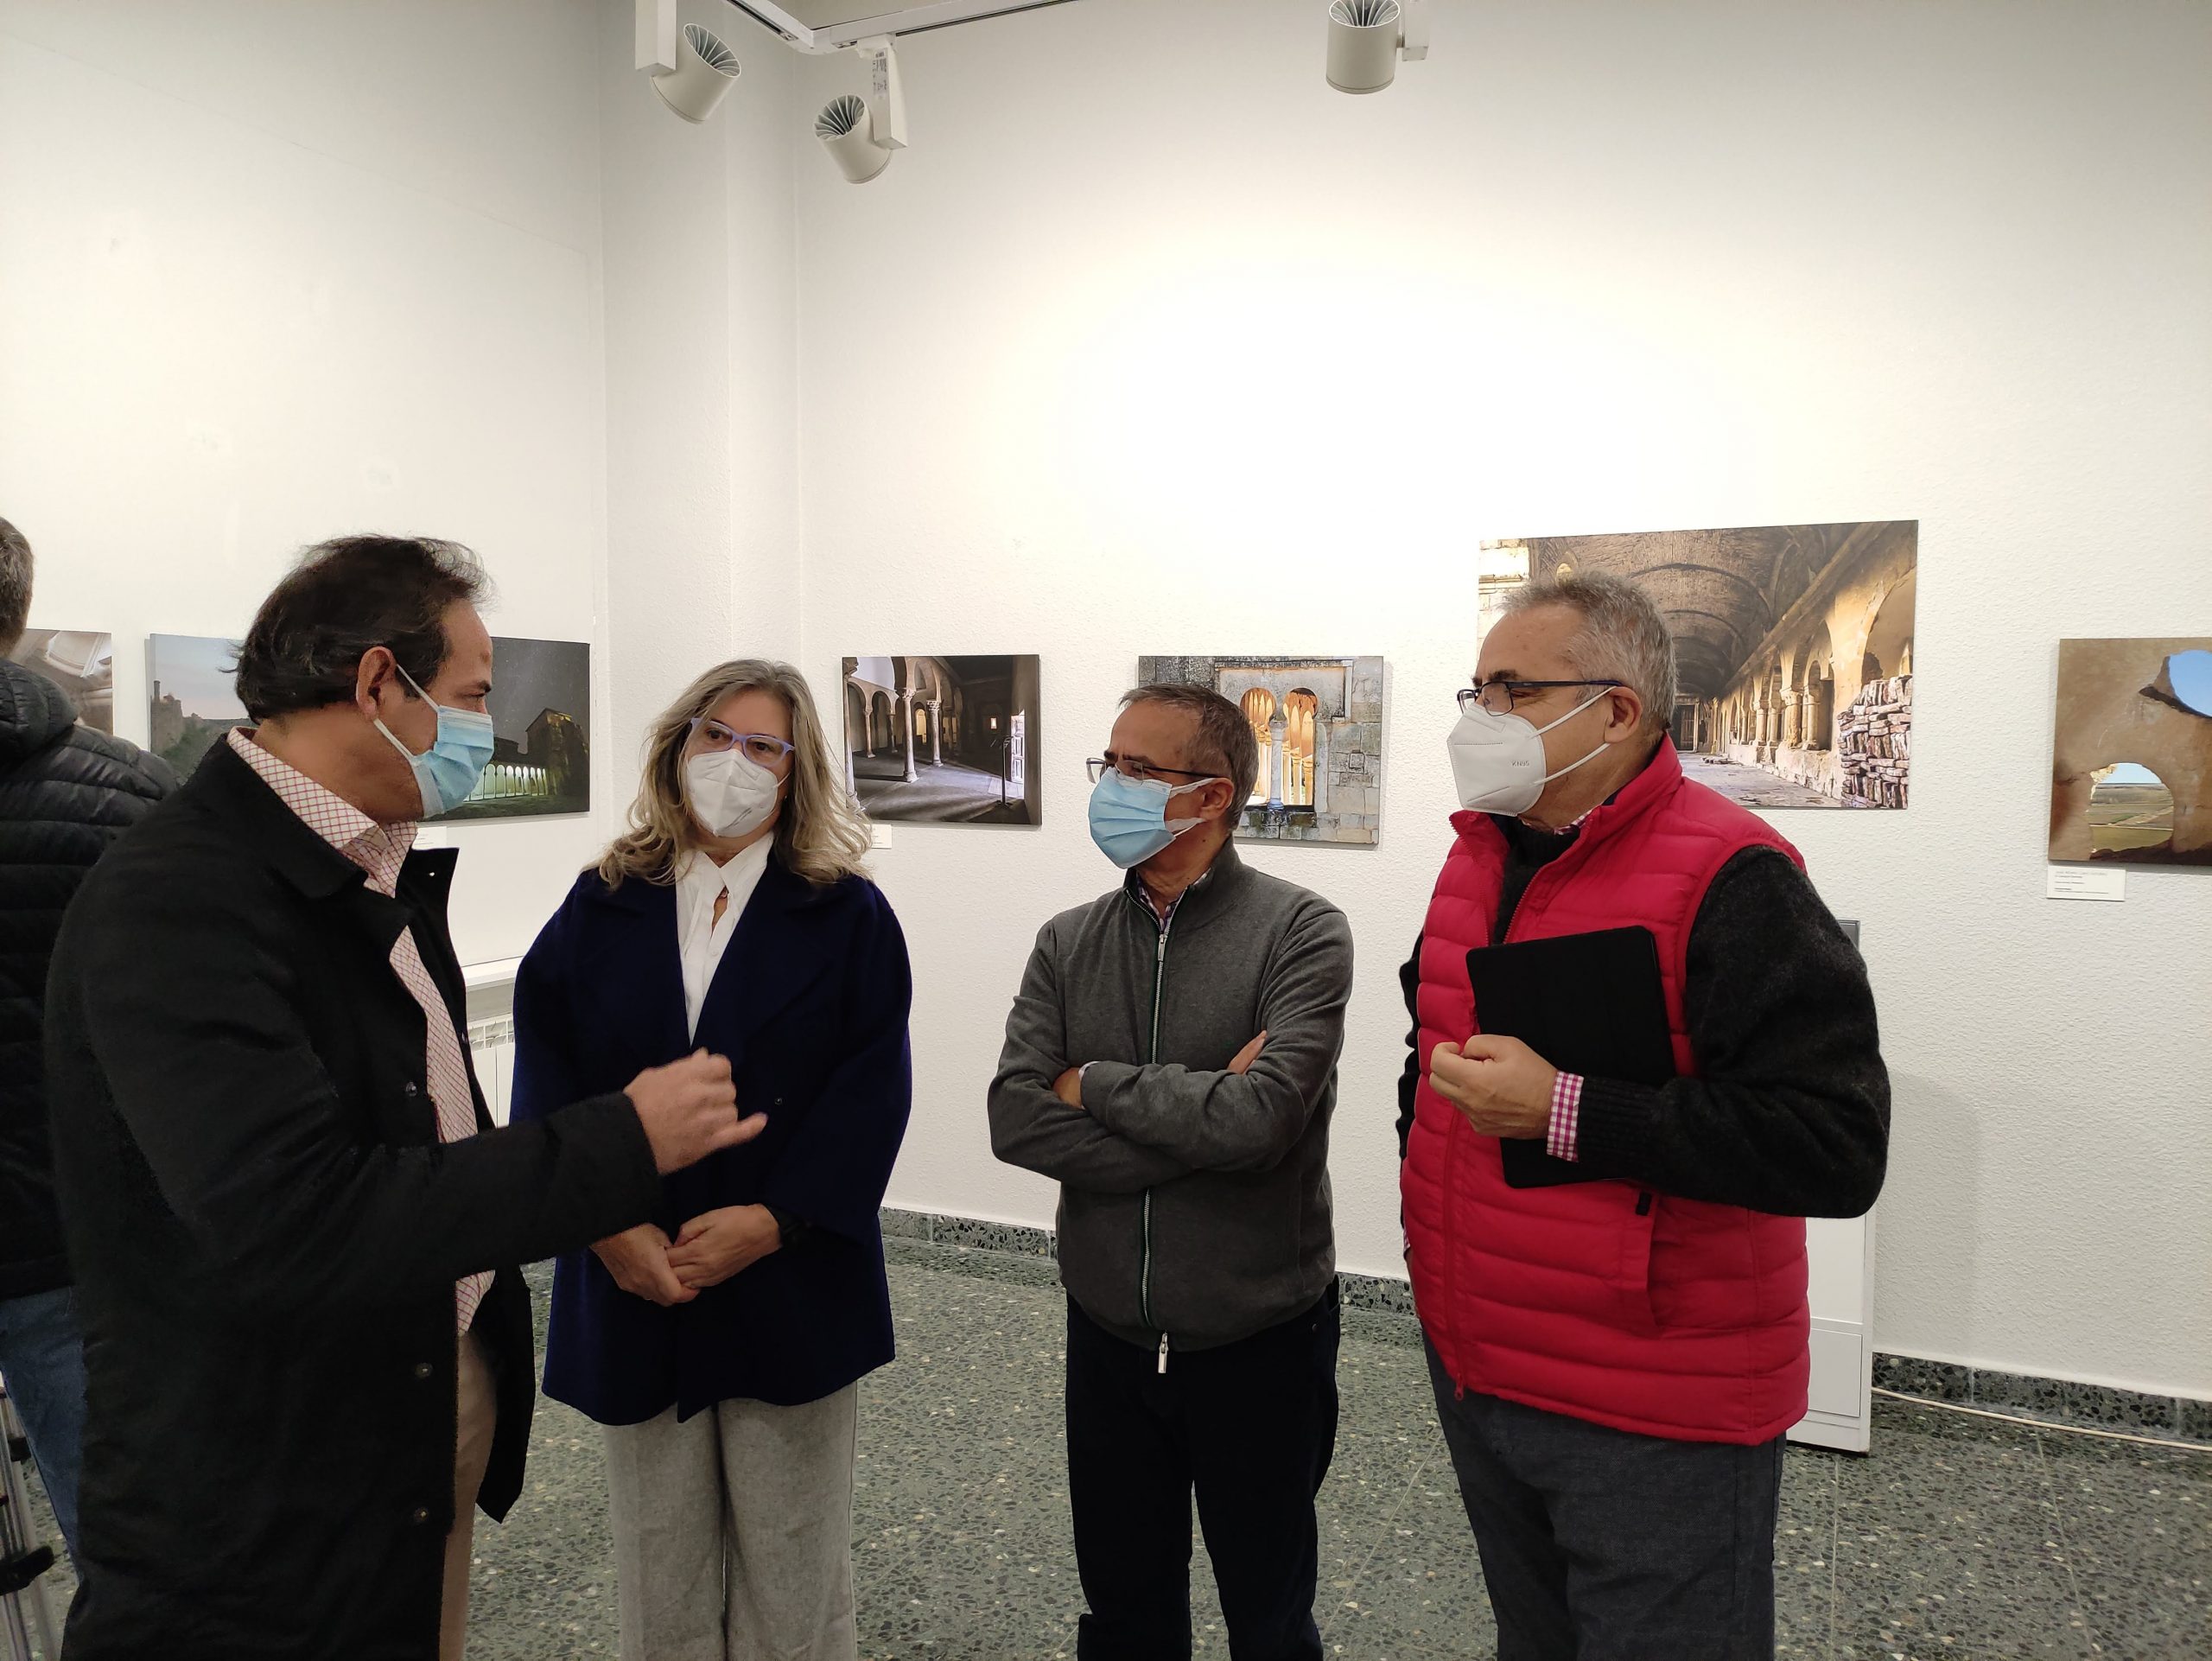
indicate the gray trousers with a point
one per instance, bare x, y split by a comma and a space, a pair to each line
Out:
1601, 1545
734, 1532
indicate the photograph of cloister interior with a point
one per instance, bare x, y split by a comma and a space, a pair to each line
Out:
1457, 1019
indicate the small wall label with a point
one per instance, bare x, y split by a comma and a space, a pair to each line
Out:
2087, 882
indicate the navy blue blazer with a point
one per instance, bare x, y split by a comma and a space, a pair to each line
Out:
810, 1004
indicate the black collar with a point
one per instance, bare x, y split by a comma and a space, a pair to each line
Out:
226, 785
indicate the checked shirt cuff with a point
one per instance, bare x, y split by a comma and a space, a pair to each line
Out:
1567, 1108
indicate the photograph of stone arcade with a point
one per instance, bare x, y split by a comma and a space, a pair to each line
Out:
1794, 644
1319, 725
944, 741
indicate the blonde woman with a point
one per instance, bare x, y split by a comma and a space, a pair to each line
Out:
721, 1345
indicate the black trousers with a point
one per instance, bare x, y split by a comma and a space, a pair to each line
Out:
1601, 1545
1251, 1427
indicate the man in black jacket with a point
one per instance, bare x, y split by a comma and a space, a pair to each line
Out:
308, 1350
66, 792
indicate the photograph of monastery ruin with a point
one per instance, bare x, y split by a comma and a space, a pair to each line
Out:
192, 695
1794, 644
541, 727
1319, 723
2130, 771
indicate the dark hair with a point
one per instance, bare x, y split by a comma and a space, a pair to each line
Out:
15, 586
1225, 742
343, 598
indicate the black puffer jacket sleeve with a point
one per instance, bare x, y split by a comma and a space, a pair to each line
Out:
66, 792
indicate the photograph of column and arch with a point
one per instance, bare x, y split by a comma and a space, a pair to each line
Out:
2131, 770
943, 741
1794, 644
1319, 722
81, 662
541, 733
192, 695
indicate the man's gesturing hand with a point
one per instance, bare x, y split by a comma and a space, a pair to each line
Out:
1500, 1086
688, 1108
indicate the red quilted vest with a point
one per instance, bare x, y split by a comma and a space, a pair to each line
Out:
1600, 1299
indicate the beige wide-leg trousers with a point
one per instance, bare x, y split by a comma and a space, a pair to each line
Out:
477, 1420
734, 1532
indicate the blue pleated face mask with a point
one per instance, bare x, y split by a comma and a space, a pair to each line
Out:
448, 770
1129, 816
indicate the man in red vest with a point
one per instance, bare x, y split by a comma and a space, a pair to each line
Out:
1617, 1355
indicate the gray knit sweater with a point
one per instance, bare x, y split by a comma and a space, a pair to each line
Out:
1194, 1202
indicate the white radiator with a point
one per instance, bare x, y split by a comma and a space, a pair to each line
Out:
492, 1043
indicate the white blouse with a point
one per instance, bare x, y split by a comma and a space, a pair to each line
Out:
699, 937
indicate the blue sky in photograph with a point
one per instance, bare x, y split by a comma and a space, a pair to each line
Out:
2191, 675
196, 671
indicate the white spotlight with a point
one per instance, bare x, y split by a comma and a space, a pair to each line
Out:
860, 133
1366, 37
842, 127
705, 71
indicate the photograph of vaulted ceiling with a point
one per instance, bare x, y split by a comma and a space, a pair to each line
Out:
1793, 647
1725, 594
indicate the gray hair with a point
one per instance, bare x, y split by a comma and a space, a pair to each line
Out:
1225, 743
15, 586
1623, 636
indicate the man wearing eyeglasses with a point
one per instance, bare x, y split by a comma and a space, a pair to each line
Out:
1617, 1336
1171, 1062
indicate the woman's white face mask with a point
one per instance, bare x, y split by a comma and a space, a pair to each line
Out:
731, 794
1498, 760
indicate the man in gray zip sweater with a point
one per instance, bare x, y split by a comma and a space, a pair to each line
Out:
1170, 1060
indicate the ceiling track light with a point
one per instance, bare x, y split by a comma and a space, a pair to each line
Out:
693, 70
1367, 37
860, 133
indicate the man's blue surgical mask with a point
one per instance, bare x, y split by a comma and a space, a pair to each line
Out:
448, 770
1129, 816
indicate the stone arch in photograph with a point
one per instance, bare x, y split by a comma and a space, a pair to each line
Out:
2130, 757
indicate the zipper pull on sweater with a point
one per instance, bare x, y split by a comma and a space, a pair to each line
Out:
1163, 1353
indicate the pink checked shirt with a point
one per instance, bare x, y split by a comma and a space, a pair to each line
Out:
380, 850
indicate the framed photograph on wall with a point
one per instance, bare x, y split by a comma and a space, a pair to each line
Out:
191, 695
2130, 768
541, 728
1319, 725
944, 741
81, 662
1794, 644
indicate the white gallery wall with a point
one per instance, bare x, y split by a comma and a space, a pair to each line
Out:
703, 547
1151, 343
273, 272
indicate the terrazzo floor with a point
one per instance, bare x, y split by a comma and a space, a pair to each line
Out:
1958, 1536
